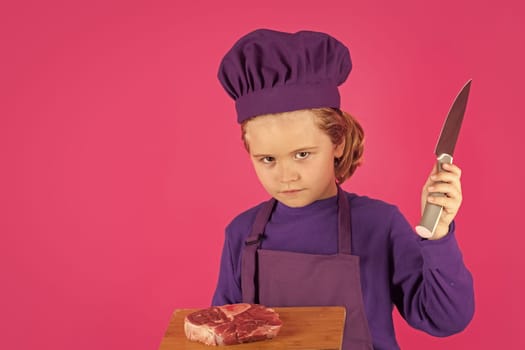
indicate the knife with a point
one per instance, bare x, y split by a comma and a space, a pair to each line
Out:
444, 151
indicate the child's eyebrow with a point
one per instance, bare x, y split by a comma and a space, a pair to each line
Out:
302, 149
260, 155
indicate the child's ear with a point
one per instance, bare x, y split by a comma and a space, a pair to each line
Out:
338, 151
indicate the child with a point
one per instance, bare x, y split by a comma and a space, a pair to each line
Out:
313, 243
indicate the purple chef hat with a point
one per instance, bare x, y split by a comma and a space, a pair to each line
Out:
268, 71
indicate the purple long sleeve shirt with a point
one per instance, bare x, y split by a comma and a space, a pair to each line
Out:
426, 280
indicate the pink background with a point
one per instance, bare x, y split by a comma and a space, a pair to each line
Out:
121, 161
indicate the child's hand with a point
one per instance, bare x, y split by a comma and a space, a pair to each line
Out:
447, 182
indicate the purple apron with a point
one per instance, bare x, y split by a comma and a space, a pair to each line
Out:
280, 278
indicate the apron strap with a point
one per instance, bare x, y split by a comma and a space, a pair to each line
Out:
249, 254
344, 223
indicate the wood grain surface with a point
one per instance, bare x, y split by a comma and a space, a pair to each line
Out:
313, 328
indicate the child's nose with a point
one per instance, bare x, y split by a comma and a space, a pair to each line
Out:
288, 173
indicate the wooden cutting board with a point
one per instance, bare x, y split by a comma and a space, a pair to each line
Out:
303, 328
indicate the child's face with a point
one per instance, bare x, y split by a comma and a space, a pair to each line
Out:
293, 158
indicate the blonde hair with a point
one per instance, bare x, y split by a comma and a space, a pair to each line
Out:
338, 125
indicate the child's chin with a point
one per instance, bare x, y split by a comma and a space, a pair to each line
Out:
295, 202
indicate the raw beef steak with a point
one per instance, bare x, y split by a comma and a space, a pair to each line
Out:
232, 324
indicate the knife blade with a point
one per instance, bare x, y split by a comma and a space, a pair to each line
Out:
444, 151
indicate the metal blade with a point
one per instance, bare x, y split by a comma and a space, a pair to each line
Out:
449, 133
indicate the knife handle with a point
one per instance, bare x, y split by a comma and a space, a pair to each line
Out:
432, 212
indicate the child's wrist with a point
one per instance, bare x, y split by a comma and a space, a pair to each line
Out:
441, 231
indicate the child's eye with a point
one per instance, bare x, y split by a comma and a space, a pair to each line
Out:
267, 160
302, 155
